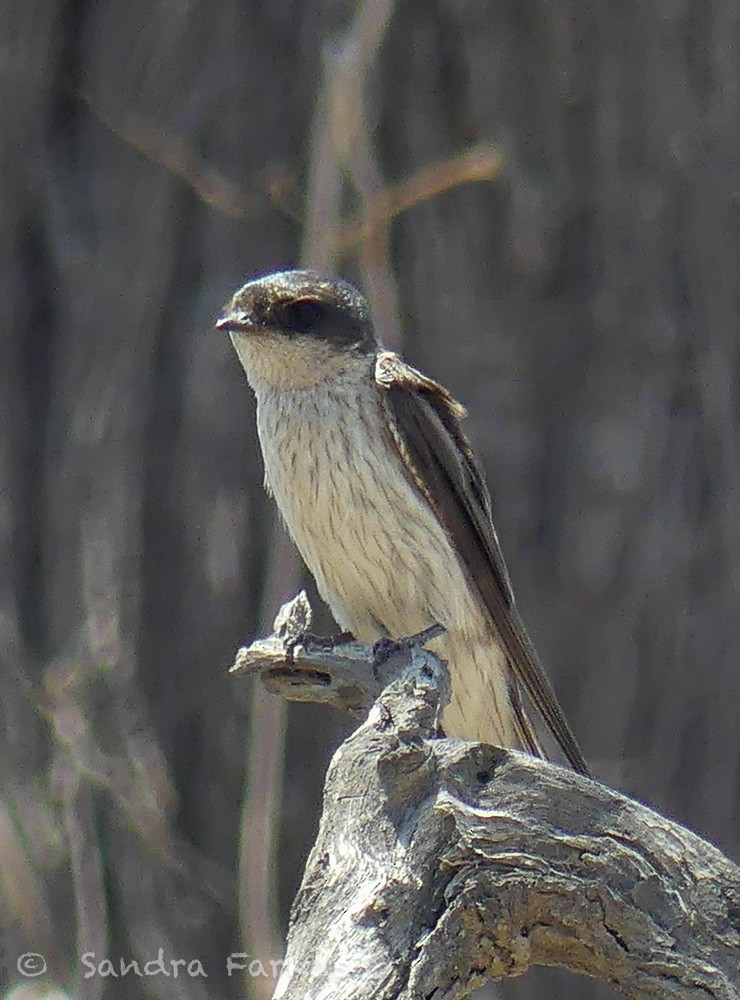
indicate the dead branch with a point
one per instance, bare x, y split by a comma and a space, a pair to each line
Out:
441, 864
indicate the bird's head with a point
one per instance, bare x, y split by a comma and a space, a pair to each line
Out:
296, 328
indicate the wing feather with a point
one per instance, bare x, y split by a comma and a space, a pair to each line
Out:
424, 422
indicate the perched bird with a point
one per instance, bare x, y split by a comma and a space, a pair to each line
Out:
380, 490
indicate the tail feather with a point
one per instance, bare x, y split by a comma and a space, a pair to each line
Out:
525, 731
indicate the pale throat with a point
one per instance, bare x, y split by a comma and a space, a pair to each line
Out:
273, 362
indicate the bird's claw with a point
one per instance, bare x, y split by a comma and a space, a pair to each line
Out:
384, 648
320, 641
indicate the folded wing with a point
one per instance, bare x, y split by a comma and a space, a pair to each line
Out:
424, 421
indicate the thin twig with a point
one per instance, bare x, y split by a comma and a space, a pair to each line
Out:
260, 814
482, 162
87, 875
24, 894
353, 136
176, 156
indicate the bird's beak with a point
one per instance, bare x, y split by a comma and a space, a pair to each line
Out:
237, 322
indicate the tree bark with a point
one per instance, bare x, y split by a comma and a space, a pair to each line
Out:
441, 864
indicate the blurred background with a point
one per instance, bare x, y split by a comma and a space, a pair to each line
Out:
542, 201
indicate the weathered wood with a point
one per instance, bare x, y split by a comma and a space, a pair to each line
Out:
440, 864
346, 674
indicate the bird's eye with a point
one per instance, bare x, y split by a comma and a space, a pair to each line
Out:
301, 314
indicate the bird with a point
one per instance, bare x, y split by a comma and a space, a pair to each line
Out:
380, 490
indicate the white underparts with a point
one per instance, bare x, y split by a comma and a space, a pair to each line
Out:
381, 559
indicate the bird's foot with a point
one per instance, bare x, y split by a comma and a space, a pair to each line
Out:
385, 646
320, 641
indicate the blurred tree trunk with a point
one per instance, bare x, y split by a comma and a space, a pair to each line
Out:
584, 304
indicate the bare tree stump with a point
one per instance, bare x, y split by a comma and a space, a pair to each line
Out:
441, 864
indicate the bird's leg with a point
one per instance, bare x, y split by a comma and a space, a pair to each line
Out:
330, 641
317, 641
385, 646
